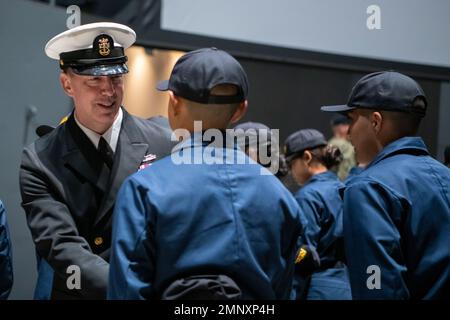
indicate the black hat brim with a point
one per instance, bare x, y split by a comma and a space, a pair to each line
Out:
337, 108
102, 70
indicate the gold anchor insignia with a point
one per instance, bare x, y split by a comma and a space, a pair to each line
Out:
103, 46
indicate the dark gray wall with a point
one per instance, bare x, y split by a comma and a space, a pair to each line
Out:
288, 97
28, 78
444, 118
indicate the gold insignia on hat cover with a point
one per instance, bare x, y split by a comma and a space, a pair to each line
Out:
103, 46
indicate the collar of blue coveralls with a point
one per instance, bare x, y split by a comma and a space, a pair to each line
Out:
199, 139
405, 145
324, 176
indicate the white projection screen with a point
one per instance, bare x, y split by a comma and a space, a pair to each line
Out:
409, 31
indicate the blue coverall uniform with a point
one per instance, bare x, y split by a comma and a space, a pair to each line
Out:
187, 219
397, 225
321, 204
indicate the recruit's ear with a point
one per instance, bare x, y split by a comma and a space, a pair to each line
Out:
376, 120
240, 112
175, 111
307, 156
174, 103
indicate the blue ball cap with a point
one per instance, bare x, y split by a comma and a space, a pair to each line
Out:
199, 71
387, 90
303, 140
339, 118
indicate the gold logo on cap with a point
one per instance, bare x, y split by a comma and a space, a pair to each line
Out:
103, 46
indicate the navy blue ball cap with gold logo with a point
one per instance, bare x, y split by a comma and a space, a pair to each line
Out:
95, 49
197, 72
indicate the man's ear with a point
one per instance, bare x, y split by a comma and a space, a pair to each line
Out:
174, 103
64, 79
240, 112
376, 121
307, 156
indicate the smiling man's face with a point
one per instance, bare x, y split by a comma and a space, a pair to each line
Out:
97, 99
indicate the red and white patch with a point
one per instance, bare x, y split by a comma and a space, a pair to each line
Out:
147, 161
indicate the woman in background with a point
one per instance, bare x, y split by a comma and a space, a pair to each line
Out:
310, 160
